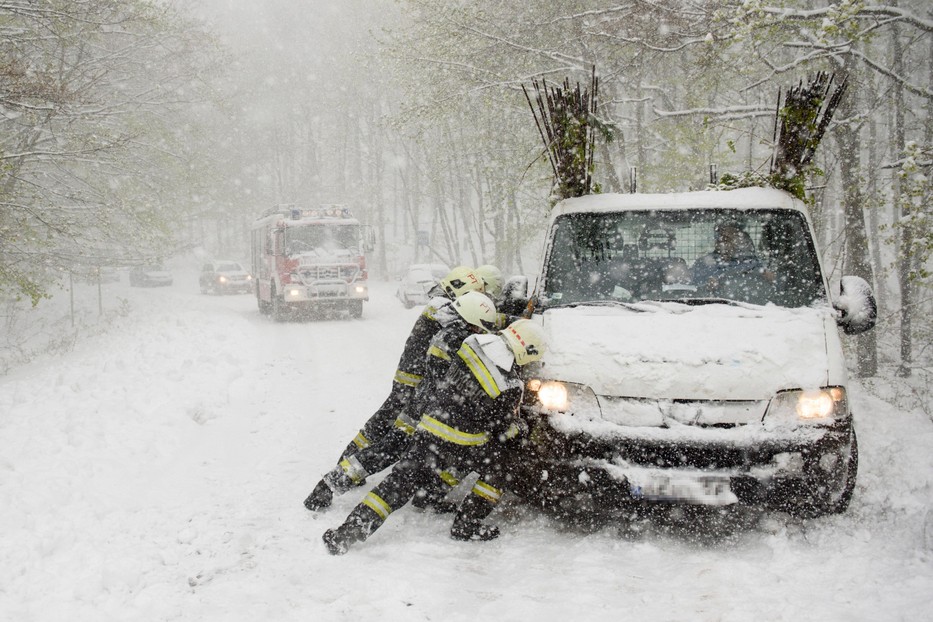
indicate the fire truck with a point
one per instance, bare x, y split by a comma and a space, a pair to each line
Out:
307, 260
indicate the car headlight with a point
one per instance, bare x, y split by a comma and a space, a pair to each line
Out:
553, 396
807, 407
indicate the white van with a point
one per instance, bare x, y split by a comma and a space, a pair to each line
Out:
694, 354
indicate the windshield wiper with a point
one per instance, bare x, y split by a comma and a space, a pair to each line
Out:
596, 303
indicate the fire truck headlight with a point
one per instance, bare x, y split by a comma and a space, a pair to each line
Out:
293, 292
360, 289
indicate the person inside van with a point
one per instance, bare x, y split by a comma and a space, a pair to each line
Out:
732, 266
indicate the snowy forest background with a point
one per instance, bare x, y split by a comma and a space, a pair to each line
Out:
133, 130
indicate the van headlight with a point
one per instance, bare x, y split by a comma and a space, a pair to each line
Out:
553, 396
808, 407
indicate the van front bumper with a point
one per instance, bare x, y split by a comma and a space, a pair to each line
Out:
702, 466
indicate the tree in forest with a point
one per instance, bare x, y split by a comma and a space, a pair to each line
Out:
95, 153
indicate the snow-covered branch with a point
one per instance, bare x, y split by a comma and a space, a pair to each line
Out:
727, 113
872, 11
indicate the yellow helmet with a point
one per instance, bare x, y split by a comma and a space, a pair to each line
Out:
526, 339
477, 309
492, 277
459, 281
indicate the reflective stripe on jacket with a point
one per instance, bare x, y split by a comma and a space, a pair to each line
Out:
406, 378
451, 434
485, 371
406, 424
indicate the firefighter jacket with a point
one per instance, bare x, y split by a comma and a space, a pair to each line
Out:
478, 398
441, 350
436, 315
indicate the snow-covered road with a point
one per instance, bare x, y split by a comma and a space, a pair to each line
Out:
156, 472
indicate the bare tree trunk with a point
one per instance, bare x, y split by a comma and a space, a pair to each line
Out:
411, 198
456, 168
874, 194
516, 239
641, 157
477, 177
856, 255
441, 220
379, 216
903, 262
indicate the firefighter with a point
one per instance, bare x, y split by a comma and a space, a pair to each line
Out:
467, 428
476, 313
437, 314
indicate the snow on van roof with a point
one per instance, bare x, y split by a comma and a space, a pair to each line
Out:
741, 198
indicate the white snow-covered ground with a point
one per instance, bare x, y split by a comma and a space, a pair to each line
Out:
157, 472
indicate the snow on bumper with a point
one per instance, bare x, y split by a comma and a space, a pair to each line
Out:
698, 465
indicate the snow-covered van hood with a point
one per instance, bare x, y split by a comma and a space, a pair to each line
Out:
675, 351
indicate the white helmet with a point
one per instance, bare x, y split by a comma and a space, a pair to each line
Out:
477, 309
526, 339
459, 281
492, 276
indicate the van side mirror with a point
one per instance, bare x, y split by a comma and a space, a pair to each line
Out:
514, 295
856, 305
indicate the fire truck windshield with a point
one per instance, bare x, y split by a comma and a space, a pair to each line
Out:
322, 237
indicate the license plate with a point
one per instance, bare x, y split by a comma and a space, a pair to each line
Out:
682, 487
331, 290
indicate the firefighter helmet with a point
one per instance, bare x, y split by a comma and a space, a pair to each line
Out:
492, 277
459, 281
477, 309
526, 339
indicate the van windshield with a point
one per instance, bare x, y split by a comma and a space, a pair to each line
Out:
691, 255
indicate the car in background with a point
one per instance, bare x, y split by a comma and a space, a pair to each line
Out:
417, 281
224, 276
150, 275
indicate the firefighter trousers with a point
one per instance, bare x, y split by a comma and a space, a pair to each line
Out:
426, 458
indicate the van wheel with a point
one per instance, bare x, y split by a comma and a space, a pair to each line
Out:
830, 491
837, 492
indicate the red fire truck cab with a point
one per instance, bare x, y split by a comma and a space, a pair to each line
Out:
307, 260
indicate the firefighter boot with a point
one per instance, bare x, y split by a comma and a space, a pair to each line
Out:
320, 498
343, 477
360, 524
467, 525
